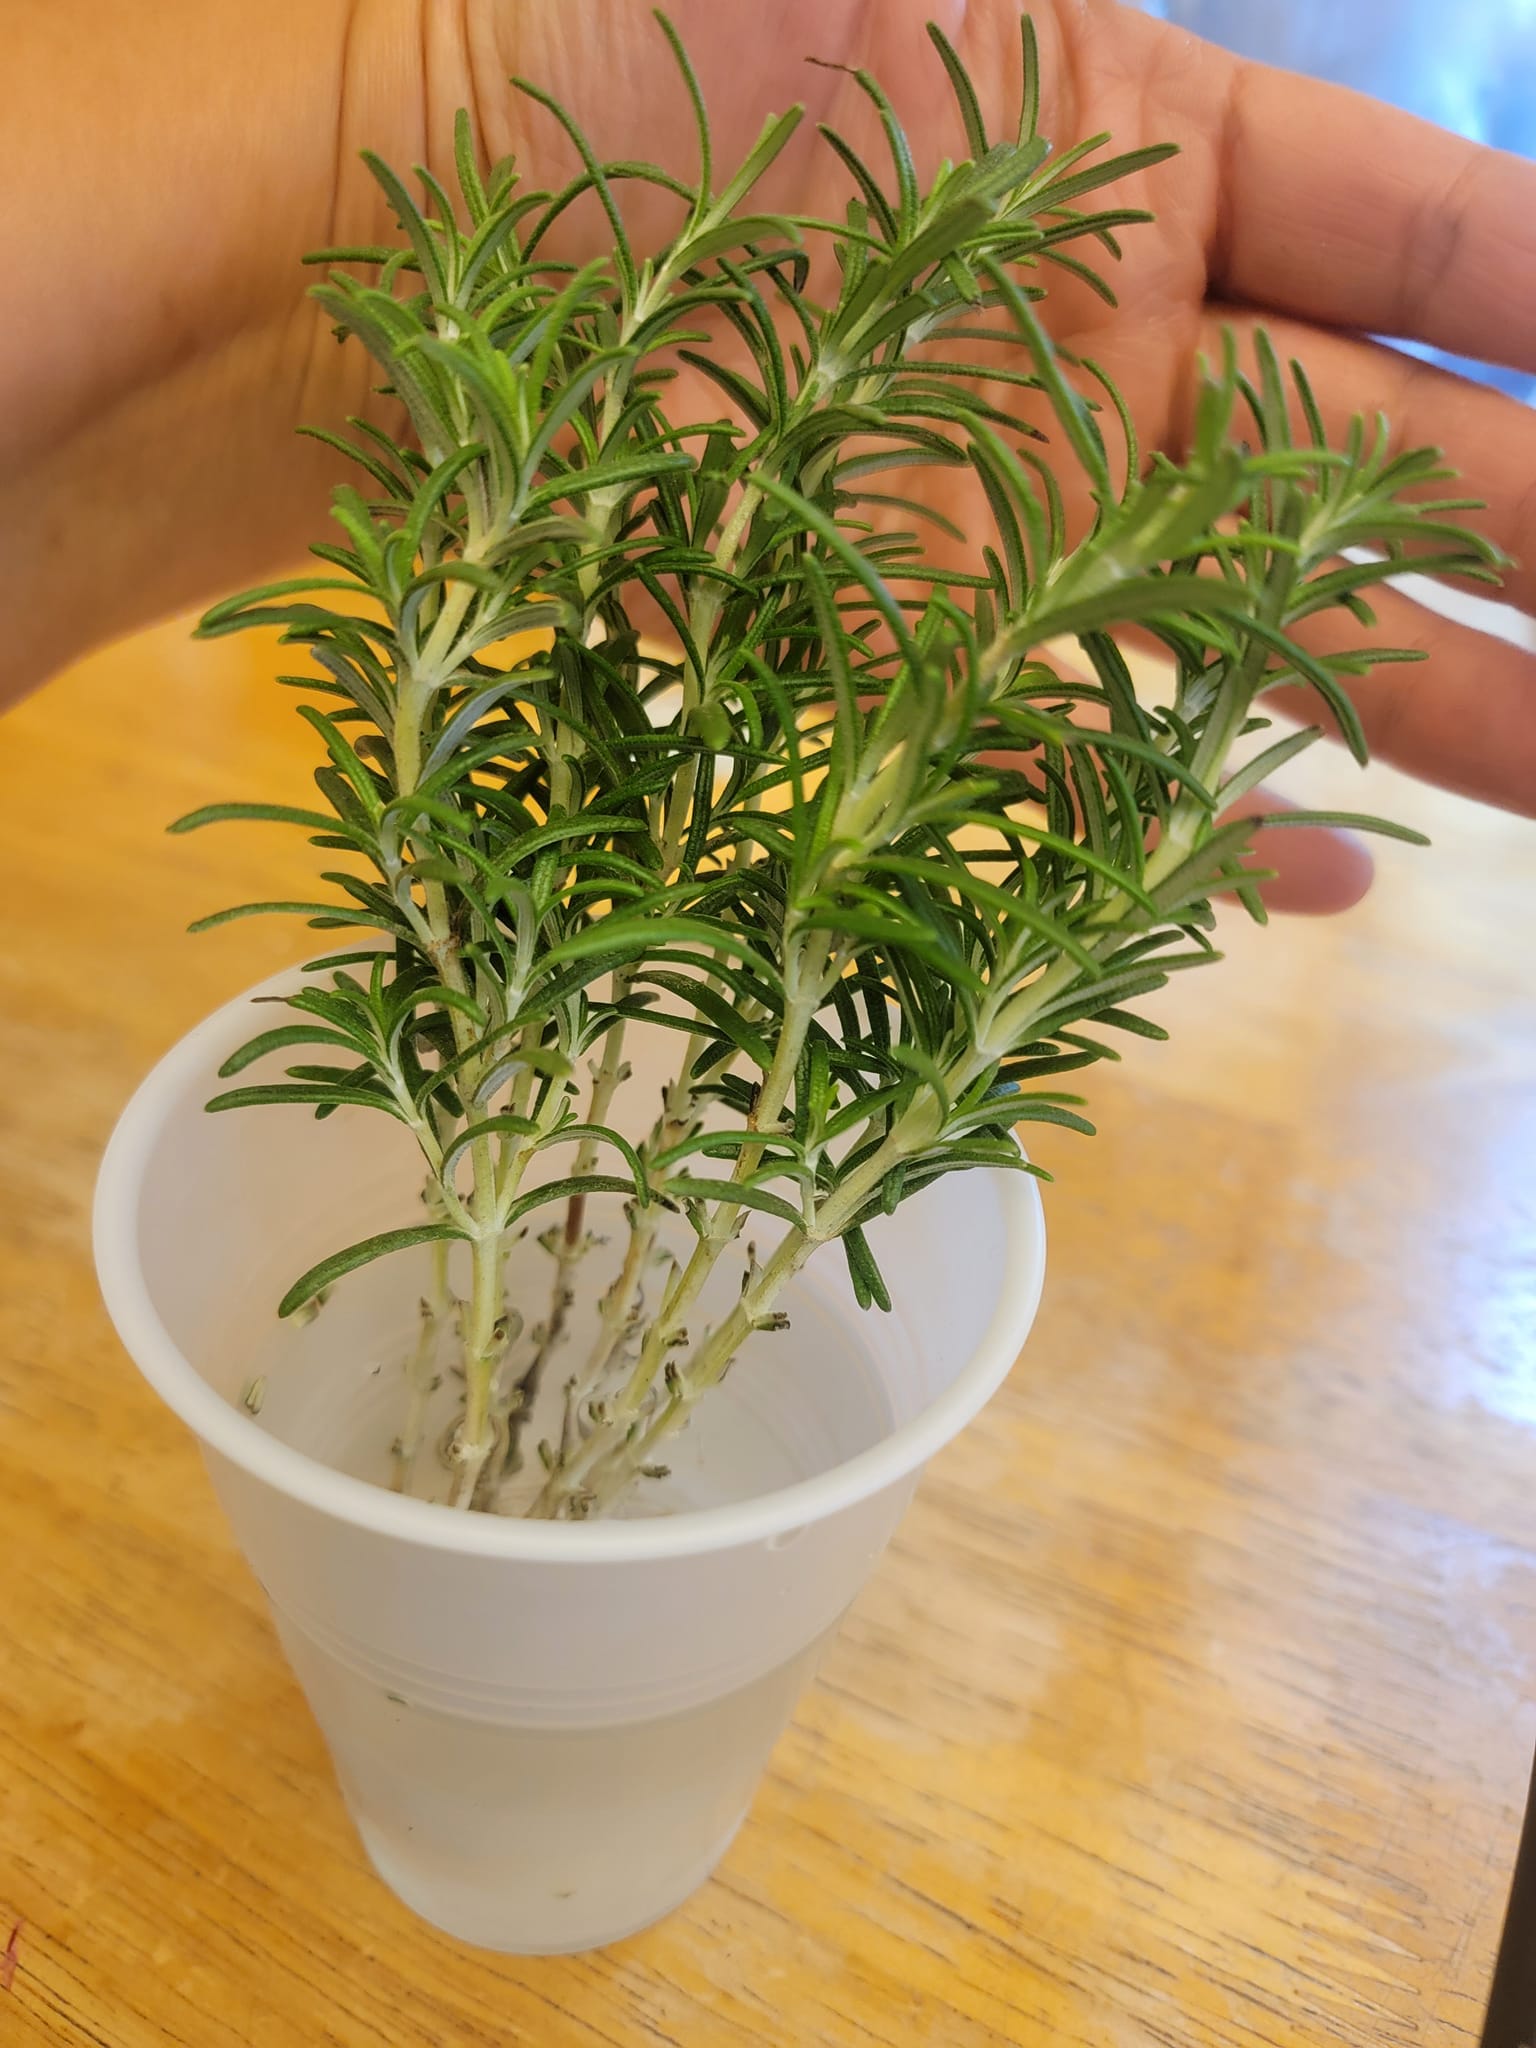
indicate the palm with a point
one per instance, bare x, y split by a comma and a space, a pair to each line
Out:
148, 401
1320, 232
1149, 343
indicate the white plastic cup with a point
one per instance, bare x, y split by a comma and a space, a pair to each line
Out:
547, 1733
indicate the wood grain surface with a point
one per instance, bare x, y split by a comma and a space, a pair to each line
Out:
1194, 1704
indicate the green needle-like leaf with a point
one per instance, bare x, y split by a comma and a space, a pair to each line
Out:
330, 1270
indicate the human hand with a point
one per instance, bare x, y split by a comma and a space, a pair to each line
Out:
1310, 210
149, 456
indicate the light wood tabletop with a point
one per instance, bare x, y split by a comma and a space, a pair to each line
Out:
1195, 1702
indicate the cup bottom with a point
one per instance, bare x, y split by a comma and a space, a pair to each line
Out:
544, 1839
466, 1918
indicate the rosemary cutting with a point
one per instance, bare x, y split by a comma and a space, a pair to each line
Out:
784, 838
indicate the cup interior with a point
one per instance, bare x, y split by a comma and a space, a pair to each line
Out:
205, 1219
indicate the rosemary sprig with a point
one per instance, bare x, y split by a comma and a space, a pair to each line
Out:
780, 841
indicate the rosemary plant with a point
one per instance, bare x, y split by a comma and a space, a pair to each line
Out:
785, 841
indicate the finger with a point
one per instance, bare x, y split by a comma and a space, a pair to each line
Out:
1309, 869
1464, 718
1336, 208
1488, 438
1317, 871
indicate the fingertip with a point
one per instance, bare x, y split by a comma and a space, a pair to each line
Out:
1317, 871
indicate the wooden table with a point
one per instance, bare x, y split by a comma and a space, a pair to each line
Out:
1194, 1704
